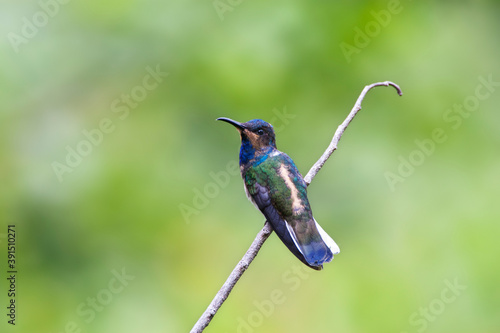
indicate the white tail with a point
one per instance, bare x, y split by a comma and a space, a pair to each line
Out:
328, 240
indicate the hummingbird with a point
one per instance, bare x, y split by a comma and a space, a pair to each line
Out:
275, 186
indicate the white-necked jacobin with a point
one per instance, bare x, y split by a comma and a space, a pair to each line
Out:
275, 186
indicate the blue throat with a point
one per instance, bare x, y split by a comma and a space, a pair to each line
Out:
248, 153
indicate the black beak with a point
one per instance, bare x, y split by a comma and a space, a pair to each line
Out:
236, 124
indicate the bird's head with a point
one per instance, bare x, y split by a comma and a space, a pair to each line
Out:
257, 132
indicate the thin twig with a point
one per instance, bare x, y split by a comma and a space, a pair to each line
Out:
250, 255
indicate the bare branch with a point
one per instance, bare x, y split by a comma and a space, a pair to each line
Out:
262, 236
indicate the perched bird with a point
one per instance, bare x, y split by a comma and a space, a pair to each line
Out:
275, 186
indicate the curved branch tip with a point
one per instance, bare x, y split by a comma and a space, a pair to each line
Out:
387, 84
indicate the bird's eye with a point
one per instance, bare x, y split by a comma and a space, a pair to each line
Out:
260, 132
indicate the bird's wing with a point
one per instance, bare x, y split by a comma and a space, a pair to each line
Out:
259, 196
292, 221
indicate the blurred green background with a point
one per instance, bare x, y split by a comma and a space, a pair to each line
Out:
151, 199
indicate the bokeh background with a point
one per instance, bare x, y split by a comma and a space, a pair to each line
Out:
156, 198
